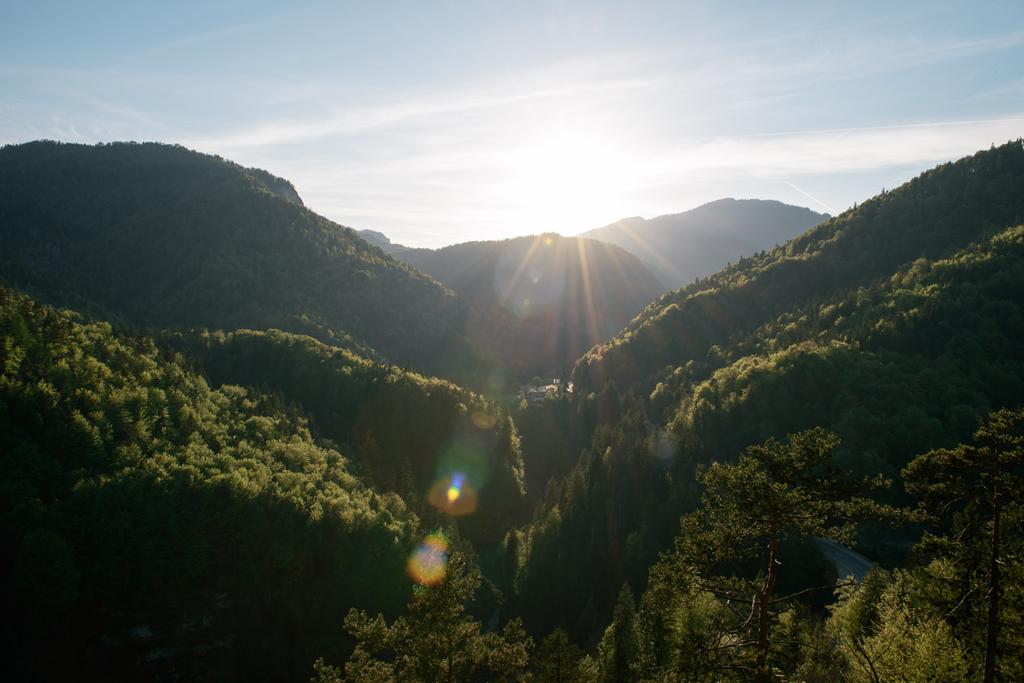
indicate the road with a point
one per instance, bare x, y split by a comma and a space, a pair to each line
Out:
846, 561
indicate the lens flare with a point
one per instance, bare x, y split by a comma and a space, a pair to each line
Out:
469, 456
664, 450
455, 489
428, 564
483, 419
453, 495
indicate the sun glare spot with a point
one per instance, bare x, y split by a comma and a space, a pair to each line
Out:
565, 180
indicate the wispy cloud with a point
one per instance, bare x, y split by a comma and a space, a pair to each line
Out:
198, 37
374, 140
357, 119
1013, 88
839, 150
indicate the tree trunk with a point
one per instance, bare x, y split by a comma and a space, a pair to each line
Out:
763, 606
994, 586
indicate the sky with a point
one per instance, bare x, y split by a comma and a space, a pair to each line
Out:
442, 122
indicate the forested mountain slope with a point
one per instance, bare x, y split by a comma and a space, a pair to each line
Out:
681, 247
405, 432
156, 235
155, 515
539, 302
931, 217
154, 527
896, 325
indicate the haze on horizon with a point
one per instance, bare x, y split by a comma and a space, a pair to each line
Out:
448, 122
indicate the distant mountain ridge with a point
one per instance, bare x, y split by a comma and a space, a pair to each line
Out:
542, 293
693, 244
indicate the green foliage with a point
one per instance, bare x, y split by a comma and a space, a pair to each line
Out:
776, 489
154, 526
854, 620
973, 492
884, 635
773, 491
358, 403
931, 217
619, 650
548, 432
895, 326
434, 640
159, 520
559, 660
157, 235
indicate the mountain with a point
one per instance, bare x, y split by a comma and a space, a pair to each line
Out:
404, 431
895, 325
156, 235
155, 527
210, 505
684, 246
539, 302
180, 502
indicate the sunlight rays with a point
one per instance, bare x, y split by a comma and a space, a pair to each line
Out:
591, 312
645, 250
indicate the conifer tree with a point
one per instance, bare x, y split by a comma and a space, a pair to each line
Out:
435, 640
620, 645
558, 659
975, 492
775, 491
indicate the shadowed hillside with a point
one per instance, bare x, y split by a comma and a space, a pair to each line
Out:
539, 302
156, 235
681, 247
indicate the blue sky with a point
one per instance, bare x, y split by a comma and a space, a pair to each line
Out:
439, 122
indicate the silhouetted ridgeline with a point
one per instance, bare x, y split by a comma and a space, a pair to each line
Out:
156, 235
681, 247
538, 302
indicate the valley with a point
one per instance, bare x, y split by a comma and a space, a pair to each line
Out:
234, 432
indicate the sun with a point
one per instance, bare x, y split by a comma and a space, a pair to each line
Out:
564, 181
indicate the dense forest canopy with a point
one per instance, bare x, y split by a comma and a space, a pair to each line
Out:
897, 325
229, 480
226, 247
156, 526
159, 236
404, 431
